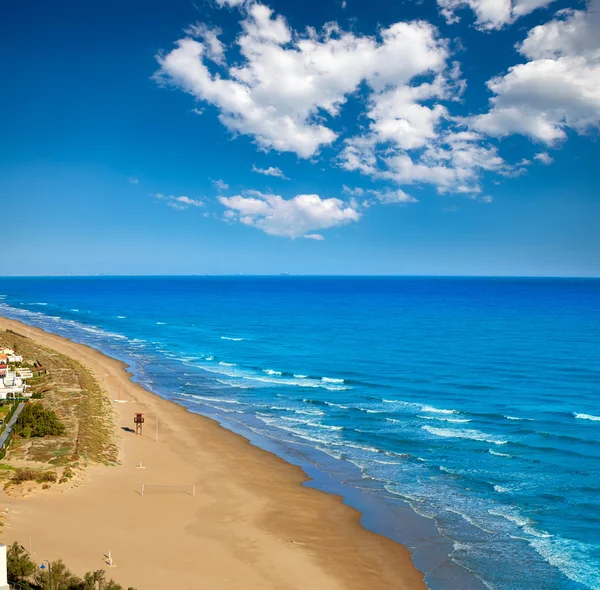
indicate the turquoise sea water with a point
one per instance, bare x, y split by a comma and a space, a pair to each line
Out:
461, 416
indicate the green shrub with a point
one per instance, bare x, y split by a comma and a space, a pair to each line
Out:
41, 422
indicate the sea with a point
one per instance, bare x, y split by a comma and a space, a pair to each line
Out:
460, 416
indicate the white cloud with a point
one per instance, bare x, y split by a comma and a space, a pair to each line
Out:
490, 14
230, 3
452, 161
486, 199
288, 85
133, 180
292, 218
270, 171
558, 89
181, 202
317, 237
220, 185
544, 158
198, 111
355, 192
215, 50
392, 196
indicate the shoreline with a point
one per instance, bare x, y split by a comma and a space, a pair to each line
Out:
238, 531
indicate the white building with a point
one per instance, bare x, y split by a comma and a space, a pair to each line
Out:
14, 385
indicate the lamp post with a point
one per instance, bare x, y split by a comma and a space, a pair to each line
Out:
43, 567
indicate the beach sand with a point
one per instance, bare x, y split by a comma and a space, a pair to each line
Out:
251, 525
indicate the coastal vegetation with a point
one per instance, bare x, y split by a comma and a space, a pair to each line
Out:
35, 420
66, 425
25, 574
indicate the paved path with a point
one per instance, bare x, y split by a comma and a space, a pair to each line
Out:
10, 424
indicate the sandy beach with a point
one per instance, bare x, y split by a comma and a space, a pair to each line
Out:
252, 524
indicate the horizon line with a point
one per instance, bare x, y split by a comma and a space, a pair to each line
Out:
293, 275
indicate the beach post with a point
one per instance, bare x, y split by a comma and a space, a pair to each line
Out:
3, 572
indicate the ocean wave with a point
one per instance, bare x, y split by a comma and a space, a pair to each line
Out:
307, 412
497, 454
232, 384
468, 434
39, 303
215, 399
331, 380
586, 417
232, 339
300, 376
334, 405
122, 317
161, 323
501, 489
74, 310
444, 419
271, 372
437, 410
224, 364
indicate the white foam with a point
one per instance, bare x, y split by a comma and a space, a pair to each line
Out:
74, 310
224, 364
215, 399
233, 384
232, 339
501, 489
271, 372
160, 323
437, 410
331, 380
39, 303
492, 452
468, 434
444, 419
300, 376
121, 317
586, 417
331, 404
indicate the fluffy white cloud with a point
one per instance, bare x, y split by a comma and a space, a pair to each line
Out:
558, 88
289, 85
182, 202
452, 161
298, 217
544, 158
270, 171
490, 14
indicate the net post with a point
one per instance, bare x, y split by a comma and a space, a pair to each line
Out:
142, 490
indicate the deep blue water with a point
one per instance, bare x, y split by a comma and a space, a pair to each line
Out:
474, 401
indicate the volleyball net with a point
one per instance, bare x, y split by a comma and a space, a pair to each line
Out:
188, 489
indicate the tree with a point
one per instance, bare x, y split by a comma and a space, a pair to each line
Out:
35, 420
18, 564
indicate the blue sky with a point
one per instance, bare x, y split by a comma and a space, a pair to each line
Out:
451, 137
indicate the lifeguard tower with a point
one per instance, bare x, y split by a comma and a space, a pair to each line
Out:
138, 420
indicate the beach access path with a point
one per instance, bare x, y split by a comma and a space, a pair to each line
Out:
251, 525
11, 423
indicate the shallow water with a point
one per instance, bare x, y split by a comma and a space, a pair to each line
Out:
475, 401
